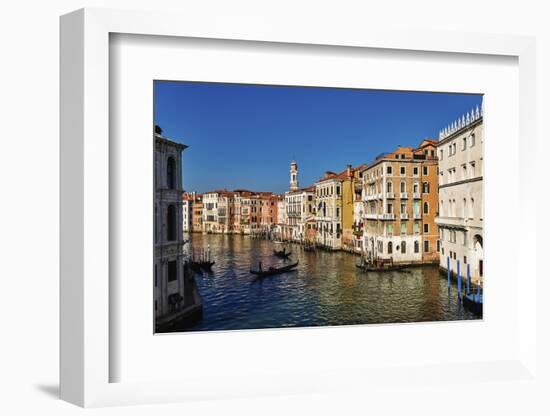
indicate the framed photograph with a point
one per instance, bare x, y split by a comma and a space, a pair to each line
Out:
268, 211
299, 208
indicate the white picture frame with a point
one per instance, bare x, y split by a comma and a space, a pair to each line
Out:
86, 355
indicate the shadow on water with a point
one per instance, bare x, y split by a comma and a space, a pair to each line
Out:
325, 289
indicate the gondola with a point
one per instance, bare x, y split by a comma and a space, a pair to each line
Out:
474, 303
195, 266
282, 254
198, 266
394, 268
274, 270
206, 265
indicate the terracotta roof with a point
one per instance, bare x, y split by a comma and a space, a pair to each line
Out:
405, 150
342, 175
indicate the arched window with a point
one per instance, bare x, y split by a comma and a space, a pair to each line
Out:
389, 186
416, 247
171, 173
390, 247
472, 208
403, 247
464, 209
403, 187
171, 223
156, 224
426, 208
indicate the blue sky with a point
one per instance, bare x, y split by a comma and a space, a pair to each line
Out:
244, 136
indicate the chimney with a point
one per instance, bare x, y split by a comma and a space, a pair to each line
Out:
348, 171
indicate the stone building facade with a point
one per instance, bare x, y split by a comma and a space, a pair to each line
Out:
460, 219
196, 217
169, 282
400, 205
328, 216
300, 207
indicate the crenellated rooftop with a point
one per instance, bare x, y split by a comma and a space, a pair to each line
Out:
462, 122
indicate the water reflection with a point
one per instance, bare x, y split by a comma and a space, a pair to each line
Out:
325, 289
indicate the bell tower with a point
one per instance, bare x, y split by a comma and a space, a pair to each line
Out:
293, 176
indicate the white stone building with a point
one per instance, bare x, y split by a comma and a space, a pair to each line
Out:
328, 215
187, 211
210, 212
460, 219
299, 207
169, 285
281, 220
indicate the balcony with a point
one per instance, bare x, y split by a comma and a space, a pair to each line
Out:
371, 197
417, 195
387, 216
403, 195
390, 195
404, 216
459, 222
417, 215
370, 216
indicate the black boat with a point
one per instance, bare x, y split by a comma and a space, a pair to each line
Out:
206, 265
282, 254
391, 268
474, 303
195, 266
274, 270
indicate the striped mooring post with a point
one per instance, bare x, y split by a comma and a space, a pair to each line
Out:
449, 273
468, 282
459, 278
478, 291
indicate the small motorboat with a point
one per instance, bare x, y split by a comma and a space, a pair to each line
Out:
282, 253
274, 270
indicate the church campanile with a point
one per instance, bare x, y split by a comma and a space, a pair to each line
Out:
293, 176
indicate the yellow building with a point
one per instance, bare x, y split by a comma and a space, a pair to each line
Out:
334, 196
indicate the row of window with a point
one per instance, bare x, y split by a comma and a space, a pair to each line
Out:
403, 187
416, 228
403, 207
450, 236
467, 141
403, 170
323, 211
403, 247
328, 191
450, 209
468, 172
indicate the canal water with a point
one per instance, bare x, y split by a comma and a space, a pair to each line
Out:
325, 289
